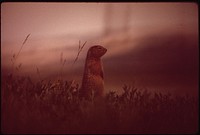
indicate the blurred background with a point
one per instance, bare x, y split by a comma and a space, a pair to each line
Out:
150, 46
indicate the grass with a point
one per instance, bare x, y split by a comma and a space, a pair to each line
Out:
14, 57
80, 48
48, 106
62, 62
54, 107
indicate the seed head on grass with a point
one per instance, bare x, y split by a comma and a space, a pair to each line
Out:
38, 72
18, 67
62, 62
22, 45
80, 48
14, 58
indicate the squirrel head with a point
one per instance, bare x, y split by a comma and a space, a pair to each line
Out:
96, 51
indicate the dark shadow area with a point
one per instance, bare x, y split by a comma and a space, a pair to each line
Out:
54, 107
159, 60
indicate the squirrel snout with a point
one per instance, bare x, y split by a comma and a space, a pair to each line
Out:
105, 50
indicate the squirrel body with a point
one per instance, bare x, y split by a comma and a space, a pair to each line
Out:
93, 77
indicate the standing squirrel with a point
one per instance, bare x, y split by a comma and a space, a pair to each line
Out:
93, 78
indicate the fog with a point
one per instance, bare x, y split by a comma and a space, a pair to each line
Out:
150, 45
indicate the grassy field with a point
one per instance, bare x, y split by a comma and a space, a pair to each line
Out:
54, 107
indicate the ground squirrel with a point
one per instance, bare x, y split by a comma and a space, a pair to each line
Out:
93, 78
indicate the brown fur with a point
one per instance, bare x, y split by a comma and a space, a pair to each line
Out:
93, 78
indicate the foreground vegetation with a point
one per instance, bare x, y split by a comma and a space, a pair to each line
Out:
54, 107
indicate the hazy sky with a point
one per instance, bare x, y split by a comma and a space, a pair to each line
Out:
58, 19
154, 45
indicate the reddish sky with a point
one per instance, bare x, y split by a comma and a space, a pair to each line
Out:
154, 45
